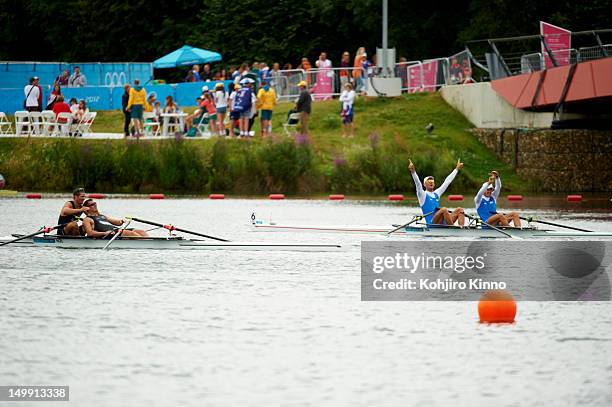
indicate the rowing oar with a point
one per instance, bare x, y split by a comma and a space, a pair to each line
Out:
171, 228
531, 219
416, 219
118, 232
493, 227
41, 230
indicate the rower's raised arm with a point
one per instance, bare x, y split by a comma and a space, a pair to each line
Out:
497, 189
480, 193
420, 192
442, 188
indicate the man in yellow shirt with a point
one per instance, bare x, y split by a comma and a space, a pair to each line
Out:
266, 100
136, 104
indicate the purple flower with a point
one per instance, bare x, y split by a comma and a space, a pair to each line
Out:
339, 161
301, 139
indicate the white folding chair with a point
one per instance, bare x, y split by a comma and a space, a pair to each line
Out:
22, 122
202, 124
6, 127
84, 126
36, 123
64, 123
49, 127
292, 122
151, 124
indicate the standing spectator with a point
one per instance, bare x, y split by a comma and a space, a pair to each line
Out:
305, 66
323, 62
265, 72
242, 104
275, 78
255, 75
53, 96
63, 78
303, 106
401, 71
366, 71
136, 104
77, 79
345, 62
206, 74
209, 105
230, 105
347, 98
221, 106
222, 75
124, 108
32, 95
266, 100
357, 74
195, 71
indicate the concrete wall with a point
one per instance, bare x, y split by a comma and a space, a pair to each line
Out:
482, 106
558, 160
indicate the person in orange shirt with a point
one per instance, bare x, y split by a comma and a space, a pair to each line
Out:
305, 65
357, 75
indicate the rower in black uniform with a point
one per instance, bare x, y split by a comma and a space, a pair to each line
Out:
100, 226
70, 214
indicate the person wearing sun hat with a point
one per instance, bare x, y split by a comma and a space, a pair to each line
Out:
304, 106
486, 204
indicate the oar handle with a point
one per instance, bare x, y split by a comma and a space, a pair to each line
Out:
492, 227
415, 219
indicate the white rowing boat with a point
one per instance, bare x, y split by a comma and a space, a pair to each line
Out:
423, 230
165, 243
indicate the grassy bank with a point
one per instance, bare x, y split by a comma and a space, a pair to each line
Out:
388, 132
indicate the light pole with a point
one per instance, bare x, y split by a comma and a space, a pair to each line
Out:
384, 37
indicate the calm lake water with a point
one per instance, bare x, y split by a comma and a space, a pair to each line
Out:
194, 328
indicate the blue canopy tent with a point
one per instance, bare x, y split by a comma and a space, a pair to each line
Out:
186, 55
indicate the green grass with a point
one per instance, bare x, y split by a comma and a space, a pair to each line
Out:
388, 131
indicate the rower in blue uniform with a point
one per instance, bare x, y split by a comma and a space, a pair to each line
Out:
486, 204
429, 198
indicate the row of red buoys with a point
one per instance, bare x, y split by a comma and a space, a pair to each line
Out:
333, 197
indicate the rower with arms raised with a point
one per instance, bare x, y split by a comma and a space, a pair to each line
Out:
70, 214
100, 226
486, 204
429, 198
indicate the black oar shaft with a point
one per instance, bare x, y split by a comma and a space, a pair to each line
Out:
491, 226
416, 218
171, 227
41, 230
554, 224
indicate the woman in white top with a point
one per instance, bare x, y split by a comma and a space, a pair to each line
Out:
221, 106
347, 98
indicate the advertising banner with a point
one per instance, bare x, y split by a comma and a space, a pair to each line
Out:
559, 40
422, 77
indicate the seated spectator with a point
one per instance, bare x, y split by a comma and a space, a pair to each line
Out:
222, 75
194, 74
60, 106
150, 102
77, 79
74, 107
157, 110
197, 114
82, 110
170, 106
63, 78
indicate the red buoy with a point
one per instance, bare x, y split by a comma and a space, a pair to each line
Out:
515, 197
157, 196
574, 198
33, 196
496, 307
455, 197
216, 196
277, 196
336, 197
97, 196
397, 197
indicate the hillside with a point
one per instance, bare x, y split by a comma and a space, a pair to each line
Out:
388, 132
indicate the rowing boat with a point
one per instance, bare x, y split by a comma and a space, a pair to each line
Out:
426, 230
165, 243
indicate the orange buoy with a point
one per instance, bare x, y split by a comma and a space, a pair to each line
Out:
574, 198
97, 196
157, 196
455, 197
216, 196
497, 306
397, 197
336, 197
33, 196
515, 197
277, 196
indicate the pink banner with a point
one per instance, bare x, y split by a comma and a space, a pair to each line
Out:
323, 87
559, 41
422, 78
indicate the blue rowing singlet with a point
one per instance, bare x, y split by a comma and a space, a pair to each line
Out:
431, 205
486, 208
